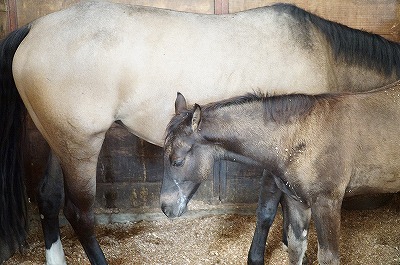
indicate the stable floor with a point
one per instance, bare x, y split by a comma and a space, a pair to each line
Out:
367, 237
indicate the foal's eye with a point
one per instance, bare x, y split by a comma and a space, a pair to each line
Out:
178, 162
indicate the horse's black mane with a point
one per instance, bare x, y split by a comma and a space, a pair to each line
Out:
351, 45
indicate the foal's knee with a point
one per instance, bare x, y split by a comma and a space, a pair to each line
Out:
266, 216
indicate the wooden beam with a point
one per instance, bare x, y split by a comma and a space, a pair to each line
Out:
12, 19
221, 7
220, 173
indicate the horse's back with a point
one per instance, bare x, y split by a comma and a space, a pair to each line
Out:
102, 61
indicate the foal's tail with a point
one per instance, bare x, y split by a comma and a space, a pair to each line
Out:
13, 209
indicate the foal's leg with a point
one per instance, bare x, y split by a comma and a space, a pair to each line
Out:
326, 216
297, 218
266, 211
50, 198
80, 188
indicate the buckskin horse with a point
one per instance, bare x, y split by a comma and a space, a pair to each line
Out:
78, 70
316, 148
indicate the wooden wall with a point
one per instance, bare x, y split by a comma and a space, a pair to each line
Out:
380, 17
130, 169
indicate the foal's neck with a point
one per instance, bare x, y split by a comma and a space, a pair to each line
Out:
246, 131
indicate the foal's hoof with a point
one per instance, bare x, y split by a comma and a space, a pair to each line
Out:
249, 262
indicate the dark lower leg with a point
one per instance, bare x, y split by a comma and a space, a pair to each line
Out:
50, 198
79, 212
266, 211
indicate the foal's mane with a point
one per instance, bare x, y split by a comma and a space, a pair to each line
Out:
277, 108
183, 119
351, 45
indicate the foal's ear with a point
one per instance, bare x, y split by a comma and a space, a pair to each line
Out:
196, 117
180, 103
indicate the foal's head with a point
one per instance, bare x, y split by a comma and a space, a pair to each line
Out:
196, 138
186, 162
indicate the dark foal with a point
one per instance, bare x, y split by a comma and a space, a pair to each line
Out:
317, 150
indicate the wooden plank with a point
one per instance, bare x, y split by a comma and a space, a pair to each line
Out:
221, 7
242, 190
12, 15
220, 175
223, 172
3, 6
196, 6
216, 178
28, 10
380, 17
3, 23
125, 157
139, 196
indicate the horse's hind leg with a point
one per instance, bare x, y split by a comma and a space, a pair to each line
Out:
80, 188
296, 223
50, 198
269, 198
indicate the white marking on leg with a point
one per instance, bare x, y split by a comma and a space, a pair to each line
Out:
55, 255
284, 247
296, 246
304, 233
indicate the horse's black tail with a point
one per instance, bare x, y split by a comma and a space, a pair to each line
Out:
13, 208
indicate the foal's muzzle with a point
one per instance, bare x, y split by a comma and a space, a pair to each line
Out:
175, 210
174, 201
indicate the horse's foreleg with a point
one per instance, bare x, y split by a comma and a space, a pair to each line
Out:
50, 198
296, 223
326, 216
269, 198
80, 189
